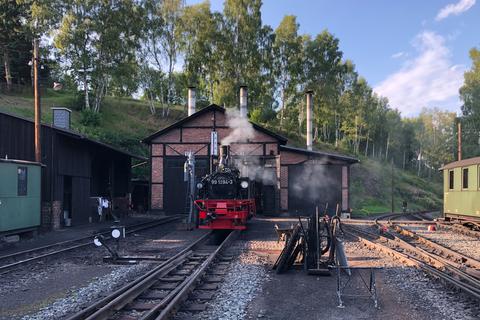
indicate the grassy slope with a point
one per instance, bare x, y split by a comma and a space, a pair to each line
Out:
126, 121
372, 184
123, 122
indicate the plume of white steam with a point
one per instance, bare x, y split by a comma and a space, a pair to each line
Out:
314, 182
252, 168
241, 132
242, 129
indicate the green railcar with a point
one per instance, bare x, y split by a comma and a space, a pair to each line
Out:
461, 185
20, 191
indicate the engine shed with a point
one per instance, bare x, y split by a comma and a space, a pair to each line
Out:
293, 180
74, 169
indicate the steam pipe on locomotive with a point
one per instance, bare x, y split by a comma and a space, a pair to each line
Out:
225, 199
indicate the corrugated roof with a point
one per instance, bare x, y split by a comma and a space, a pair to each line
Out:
461, 163
21, 162
320, 154
211, 107
79, 136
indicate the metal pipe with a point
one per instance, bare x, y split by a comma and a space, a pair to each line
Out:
309, 95
243, 101
191, 100
224, 155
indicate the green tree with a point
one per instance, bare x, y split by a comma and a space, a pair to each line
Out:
97, 42
199, 41
324, 69
14, 34
240, 59
288, 59
470, 95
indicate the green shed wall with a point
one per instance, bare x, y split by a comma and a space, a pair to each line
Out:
19, 212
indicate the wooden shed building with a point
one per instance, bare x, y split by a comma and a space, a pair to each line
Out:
75, 169
298, 179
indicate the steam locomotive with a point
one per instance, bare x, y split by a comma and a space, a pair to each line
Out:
225, 200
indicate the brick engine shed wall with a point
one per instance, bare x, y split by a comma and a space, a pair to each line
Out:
290, 158
194, 135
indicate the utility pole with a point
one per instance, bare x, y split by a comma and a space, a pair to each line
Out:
459, 137
38, 111
393, 206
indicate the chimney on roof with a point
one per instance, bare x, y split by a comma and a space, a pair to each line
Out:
243, 101
309, 95
191, 100
61, 117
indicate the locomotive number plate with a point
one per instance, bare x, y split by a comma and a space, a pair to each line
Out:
222, 181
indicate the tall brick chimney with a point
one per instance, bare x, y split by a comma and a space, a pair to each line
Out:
309, 95
243, 101
191, 100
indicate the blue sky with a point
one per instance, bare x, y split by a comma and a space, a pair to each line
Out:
414, 52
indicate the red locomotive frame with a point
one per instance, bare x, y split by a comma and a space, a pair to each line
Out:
225, 213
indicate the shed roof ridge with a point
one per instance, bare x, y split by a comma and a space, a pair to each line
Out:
78, 135
212, 106
318, 152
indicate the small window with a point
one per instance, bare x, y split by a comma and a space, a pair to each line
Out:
450, 179
22, 174
465, 178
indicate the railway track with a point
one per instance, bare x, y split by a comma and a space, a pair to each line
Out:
459, 228
438, 262
159, 293
10, 261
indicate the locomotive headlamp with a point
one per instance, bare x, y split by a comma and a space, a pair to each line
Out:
116, 233
244, 184
199, 185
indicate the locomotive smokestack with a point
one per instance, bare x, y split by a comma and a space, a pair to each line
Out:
224, 155
309, 95
191, 100
243, 101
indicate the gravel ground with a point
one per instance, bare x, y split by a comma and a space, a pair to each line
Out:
75, 299
430, 296
241, 285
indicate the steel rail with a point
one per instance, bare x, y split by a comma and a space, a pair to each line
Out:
460, 258
85, 313
470, 275
459, 228
433, 265
108, 306
187, 286
136, 228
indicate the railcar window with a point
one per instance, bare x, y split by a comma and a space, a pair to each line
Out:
465, 178
22, 181
450, 179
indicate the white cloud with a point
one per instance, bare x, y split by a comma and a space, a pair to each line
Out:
399, 55
454, 9
428, 80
